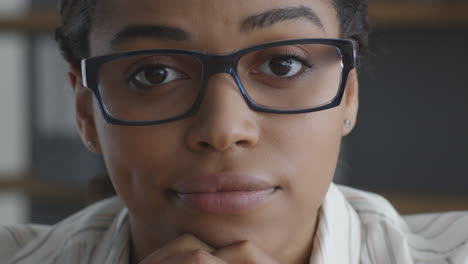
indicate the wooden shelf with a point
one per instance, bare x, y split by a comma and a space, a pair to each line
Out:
42, 190
416, 203
405, 203
36, 21
418, 14
381, 15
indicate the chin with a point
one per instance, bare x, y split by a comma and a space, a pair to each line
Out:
221, 231
224, 237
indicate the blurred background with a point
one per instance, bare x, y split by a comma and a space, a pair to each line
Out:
410, 145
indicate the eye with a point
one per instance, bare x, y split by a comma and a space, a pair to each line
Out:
282, 66
152, 75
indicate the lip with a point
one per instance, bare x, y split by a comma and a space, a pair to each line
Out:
224, 193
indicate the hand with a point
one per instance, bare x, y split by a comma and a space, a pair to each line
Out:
185, 249
189, 249
243, 253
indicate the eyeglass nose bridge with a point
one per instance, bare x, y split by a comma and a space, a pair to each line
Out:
214, 64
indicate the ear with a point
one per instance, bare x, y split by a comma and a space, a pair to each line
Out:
351, 101
84, 111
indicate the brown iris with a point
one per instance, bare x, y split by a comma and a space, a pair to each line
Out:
281, 66
154, 75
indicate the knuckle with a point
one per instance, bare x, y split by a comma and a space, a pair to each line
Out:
187, 239
245, 246
251, 262
198, 256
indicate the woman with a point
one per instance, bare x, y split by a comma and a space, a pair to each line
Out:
220, 124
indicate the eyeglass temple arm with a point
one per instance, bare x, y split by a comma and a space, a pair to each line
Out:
84, 75
355, 53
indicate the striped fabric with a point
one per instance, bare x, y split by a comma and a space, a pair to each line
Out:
362, 227
354, 227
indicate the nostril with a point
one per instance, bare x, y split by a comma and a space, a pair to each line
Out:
203, 145
243, 143
206, 145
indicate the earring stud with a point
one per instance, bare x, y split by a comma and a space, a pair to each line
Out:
347, 124
91, 144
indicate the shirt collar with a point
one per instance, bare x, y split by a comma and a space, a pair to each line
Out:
114, 248
338, 237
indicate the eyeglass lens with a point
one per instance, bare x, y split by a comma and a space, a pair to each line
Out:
162, 86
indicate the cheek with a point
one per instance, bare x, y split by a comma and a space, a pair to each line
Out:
139, 159
311, 152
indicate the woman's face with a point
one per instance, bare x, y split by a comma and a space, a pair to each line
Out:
227, 173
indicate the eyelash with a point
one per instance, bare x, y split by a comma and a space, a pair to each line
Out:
294, 56
297, 57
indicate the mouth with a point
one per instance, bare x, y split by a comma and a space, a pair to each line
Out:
224, 194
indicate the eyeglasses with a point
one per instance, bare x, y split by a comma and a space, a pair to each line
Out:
150, 87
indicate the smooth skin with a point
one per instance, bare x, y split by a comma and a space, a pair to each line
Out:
297, 154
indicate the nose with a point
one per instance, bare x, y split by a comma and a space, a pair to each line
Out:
224, 121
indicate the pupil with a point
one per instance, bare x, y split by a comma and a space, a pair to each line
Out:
281, 66
156, 75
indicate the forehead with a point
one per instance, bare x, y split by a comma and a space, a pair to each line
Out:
216, 26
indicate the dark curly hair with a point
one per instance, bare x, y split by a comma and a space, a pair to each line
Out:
77, 17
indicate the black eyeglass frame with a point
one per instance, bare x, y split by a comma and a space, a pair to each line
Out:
213, 64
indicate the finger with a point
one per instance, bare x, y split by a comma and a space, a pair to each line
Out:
244, 252
182, 245
193, 257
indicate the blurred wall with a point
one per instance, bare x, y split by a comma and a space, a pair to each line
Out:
14, 123
412, 132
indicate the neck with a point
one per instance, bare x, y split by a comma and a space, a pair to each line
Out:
300, 255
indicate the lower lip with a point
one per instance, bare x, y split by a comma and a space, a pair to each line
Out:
227, 203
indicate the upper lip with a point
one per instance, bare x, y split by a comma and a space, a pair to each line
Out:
223, 182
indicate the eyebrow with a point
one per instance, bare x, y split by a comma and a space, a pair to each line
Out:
161, 32
265, 19
277, 15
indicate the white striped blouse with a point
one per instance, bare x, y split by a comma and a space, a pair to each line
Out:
354, 227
